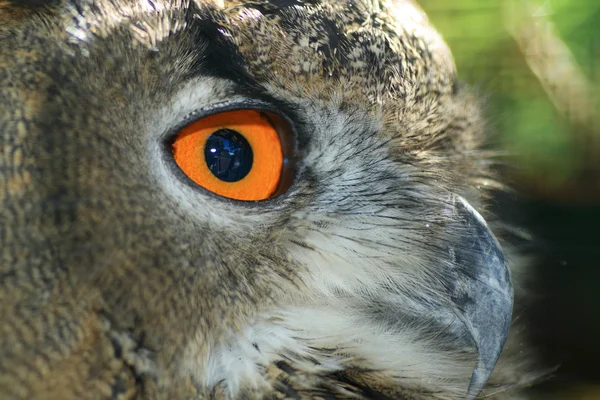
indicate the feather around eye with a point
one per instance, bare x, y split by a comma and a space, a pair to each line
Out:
235, 154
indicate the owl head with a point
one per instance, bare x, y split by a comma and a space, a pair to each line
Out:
243, 199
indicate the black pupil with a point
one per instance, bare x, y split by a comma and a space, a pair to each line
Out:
228, 155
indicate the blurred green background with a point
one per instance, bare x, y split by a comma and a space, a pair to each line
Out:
537, 64
553, 147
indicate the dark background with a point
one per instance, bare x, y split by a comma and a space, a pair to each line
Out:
537, 63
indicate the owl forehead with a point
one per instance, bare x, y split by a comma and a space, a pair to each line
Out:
373, 49
369, 51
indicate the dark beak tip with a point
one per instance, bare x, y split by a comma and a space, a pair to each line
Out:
488, 312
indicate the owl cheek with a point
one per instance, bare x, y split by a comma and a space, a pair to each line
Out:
480, 288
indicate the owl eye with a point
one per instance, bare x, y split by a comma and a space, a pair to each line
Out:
239, 155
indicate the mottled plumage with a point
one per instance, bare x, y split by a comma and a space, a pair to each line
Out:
372, 277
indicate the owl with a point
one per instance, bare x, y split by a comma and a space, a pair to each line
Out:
247, 199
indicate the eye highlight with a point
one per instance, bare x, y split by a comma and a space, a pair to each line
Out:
235, 154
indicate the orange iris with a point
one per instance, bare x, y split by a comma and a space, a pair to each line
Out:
266, 155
